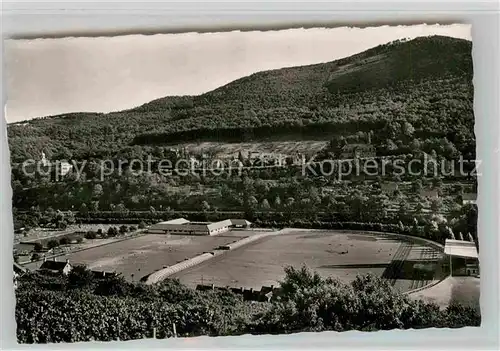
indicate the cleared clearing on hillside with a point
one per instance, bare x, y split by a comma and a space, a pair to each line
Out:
224, 150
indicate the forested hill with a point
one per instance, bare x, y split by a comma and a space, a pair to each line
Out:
426, 82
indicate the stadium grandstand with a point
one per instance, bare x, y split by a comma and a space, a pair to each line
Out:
184, 227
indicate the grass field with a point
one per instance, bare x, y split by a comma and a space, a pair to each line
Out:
140, 256
407, 264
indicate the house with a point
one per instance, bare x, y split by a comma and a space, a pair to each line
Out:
350, 151
103, 274
469, 198
56, 267
18, 269
240, 223
62, 167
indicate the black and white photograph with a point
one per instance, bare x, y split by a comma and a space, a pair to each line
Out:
243, 182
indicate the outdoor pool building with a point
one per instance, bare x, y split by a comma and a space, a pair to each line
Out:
184, 227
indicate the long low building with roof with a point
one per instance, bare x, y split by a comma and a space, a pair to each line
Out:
185, 227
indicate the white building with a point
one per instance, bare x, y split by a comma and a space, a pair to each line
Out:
469, 198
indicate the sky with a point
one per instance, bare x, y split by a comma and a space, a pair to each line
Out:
103, 74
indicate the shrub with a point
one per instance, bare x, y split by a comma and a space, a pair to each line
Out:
64, 241
80, 277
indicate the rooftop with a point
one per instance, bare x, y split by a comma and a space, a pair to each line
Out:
350, 147
239, 222
429, 192
460, 248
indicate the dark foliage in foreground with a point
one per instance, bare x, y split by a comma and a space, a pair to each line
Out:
82, 308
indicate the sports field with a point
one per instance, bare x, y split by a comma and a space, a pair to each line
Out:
140, 256
408, 264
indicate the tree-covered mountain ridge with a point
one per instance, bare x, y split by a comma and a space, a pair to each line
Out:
426, 82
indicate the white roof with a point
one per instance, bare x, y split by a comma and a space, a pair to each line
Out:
175, 221
181, 223
460, 248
